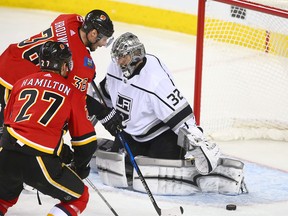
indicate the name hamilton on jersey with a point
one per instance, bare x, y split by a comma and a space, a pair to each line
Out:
47, 83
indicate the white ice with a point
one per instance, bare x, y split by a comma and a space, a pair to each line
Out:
266, 162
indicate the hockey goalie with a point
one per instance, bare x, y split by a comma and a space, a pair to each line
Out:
173, 154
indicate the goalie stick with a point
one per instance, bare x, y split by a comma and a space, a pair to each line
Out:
176, 211
102, 197
164, 212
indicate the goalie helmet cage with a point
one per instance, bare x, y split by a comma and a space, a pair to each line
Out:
241, 73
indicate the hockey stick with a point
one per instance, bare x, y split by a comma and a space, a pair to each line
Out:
164, 212
102, 197
87, 179
98, 93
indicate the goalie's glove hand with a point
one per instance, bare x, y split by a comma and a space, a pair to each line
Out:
206, 154
82, 172
111, 120
66, 154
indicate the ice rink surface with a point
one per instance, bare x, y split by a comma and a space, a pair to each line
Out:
266, 162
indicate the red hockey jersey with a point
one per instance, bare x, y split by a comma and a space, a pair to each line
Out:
38, 108
20, 60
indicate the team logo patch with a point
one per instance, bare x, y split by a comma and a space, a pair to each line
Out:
88, 62
124, 104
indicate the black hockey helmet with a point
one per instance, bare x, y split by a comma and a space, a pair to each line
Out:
53, 55
99, 20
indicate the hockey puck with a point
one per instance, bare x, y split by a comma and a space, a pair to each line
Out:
231, 207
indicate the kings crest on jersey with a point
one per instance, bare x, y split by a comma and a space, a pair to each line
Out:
158, 109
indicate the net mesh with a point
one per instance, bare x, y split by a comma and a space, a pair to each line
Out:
245, 73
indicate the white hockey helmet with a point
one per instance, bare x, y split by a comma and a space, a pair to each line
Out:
128, 44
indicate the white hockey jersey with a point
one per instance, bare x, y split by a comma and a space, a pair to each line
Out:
149, 100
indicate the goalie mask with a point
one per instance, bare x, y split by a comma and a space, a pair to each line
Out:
128, 44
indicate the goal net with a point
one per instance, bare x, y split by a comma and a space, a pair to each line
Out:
241, 82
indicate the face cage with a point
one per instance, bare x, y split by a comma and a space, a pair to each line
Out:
128, 69
116, 57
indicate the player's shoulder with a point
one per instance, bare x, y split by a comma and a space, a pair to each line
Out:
69, 18
155, 63
114, 70
155, 70
27, 78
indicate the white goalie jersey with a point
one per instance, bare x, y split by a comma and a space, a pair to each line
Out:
162, 106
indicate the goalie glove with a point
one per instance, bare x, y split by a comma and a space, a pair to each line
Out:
205, 153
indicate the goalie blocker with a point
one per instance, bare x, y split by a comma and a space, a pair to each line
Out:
172, 177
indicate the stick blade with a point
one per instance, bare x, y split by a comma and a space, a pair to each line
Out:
172, 212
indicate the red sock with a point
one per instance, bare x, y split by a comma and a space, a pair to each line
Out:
4, 205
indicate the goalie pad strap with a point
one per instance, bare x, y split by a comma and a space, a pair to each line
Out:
147, 161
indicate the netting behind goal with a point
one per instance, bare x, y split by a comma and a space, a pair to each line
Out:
244, 70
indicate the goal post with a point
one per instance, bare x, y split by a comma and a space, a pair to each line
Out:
241, 69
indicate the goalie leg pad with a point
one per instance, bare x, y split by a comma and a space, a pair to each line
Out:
166, 177
227, 178
180, 177
111, 168
104, 145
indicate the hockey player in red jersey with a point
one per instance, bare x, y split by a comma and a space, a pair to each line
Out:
21, 59
38, 108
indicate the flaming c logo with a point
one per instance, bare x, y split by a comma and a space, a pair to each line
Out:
103, 17
62, 46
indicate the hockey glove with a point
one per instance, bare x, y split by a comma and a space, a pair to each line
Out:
111, 120
82, 172
205, 153
66, 154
